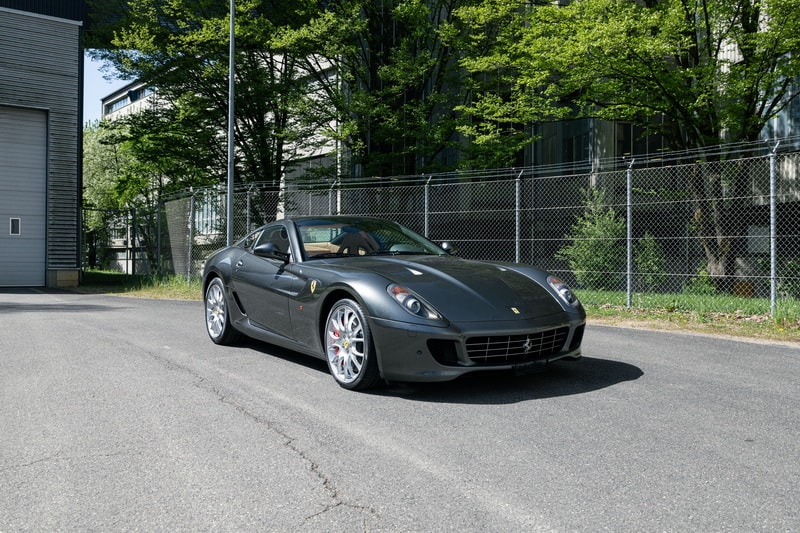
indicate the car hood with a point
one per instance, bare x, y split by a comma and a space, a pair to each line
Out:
464, 290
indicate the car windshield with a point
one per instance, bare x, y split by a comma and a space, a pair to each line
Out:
342, 237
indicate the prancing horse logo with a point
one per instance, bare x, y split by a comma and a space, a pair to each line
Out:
528, 346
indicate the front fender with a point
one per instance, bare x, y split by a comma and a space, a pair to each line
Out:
221, 265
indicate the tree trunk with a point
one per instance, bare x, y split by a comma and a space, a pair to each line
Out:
721, 216
710, 220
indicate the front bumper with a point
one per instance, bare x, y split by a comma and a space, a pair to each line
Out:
411, 352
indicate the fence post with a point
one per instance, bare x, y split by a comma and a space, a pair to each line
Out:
247, 216
629, 224
517, 216
330, 198
159, 270
426, 215
133, 242
191, 236
773, 233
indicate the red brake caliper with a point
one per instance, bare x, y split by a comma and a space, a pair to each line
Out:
336, 336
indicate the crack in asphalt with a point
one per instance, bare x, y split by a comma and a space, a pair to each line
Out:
327, 483
60, 458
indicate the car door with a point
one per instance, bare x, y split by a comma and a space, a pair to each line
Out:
265, 286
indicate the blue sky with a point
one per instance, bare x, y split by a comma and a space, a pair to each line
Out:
95, 88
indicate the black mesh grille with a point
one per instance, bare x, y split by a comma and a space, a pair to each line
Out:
444, 351
577, 338
511, 349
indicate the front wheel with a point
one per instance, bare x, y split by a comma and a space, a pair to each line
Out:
349, 349
218, 317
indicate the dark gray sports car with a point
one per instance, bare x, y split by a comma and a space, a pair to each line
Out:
377, 300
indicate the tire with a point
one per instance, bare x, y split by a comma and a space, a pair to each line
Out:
349, 349
218, 316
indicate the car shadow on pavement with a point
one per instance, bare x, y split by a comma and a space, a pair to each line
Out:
273, 350
562, 378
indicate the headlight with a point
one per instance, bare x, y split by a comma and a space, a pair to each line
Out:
412, 303
560, 287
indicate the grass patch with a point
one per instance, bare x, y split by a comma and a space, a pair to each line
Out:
713, 314
161, 287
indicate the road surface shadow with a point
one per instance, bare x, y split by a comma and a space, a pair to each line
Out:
562, 378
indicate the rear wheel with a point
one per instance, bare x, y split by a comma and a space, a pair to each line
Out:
218, 318
349, 349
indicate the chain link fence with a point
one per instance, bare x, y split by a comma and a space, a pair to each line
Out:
122, 240
723, 225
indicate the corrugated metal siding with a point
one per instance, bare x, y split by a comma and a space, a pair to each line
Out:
39, 68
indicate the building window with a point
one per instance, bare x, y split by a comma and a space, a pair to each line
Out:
15, 226
117, 105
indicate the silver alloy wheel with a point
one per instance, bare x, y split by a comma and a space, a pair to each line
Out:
346, 343
216, 310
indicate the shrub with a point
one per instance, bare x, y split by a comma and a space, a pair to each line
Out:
700, 284
596, 253
649, 261
789, 279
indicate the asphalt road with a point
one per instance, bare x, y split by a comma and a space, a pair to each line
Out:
119, 414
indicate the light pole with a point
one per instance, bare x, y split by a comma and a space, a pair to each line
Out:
231, 73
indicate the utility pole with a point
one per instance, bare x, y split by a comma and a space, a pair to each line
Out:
231, 74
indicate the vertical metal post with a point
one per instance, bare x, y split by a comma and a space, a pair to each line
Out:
427, 208
231, 75
629, 244
773, 234
191, 237
158, 237
249, 194
517, 216
330, 198
133, 241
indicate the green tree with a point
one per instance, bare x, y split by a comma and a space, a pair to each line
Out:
698, 73
709, 72
382, 78
596, 254
118, 181
498, 111
388, 72
180, 48
104, 164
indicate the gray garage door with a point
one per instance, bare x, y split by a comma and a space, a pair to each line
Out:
23, 198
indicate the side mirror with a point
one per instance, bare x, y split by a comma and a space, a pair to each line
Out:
270, 251
448, 247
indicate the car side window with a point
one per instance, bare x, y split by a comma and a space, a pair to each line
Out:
276, 235
248, 242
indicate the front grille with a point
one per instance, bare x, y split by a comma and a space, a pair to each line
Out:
513, 349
